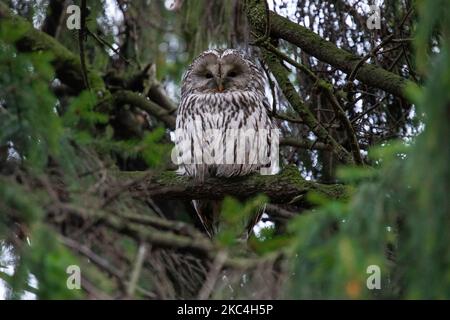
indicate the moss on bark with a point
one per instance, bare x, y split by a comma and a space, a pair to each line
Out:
67, 65
313, 44
284, 187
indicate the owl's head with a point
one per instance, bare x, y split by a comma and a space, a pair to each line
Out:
221, 71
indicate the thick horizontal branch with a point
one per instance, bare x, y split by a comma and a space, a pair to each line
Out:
288, 186
313, 44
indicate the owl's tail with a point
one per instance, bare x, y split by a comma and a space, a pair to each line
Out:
209, 211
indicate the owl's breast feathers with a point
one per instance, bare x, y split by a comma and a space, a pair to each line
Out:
230, 130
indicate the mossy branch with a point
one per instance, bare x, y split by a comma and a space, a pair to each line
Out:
314, 45
281, 74
288, 186
67, 65
288, 89
69, 69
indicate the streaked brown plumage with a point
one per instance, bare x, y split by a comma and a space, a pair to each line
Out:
222, 91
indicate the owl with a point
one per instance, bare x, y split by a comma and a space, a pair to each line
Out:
223, 127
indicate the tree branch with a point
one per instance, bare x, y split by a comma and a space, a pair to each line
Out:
288, 186
52, 22
69, 70
67, 65
288, 89
313, 44
128, 97
304, 144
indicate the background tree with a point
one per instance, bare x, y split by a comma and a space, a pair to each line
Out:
85, 138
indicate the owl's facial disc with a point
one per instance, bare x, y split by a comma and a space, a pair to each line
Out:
217, 75
220, 77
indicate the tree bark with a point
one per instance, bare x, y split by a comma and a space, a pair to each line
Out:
314, 45
286, 187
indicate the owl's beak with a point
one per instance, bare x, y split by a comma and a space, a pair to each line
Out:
219, 83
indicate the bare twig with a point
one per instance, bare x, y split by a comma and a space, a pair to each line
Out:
213, 275
104, 43
132, 284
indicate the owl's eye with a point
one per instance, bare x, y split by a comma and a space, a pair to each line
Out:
208, 75
232, 74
